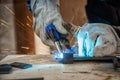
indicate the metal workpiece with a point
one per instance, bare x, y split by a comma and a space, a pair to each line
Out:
108, 59
66, 59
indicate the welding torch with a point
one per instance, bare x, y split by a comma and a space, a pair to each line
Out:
61, 43
55, 37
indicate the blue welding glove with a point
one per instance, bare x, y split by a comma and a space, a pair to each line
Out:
46, 12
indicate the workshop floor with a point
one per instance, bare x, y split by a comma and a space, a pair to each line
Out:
46, 66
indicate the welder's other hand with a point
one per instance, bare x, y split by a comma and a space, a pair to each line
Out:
51, 16
46, 12
47, 40
58, 23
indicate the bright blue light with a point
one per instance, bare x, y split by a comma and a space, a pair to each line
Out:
85, 44
57, 55
61, 55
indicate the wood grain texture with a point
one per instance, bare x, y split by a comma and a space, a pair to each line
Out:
46, 66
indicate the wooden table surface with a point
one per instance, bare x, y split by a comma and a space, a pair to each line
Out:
46, 66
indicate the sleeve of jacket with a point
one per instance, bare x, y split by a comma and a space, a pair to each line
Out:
96, 39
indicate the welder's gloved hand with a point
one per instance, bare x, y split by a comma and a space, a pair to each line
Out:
96, 39
46, 12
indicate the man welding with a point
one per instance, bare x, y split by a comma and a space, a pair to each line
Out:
99, 37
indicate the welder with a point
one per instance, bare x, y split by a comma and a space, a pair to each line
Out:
99, 37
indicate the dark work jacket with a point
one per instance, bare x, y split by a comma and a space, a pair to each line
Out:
104, 11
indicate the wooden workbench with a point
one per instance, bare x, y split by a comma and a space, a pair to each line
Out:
45, 66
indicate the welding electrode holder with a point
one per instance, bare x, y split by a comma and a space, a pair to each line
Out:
55, 37
59, 41
52, 33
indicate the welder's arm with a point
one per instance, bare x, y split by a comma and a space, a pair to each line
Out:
46, 12
96, 39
